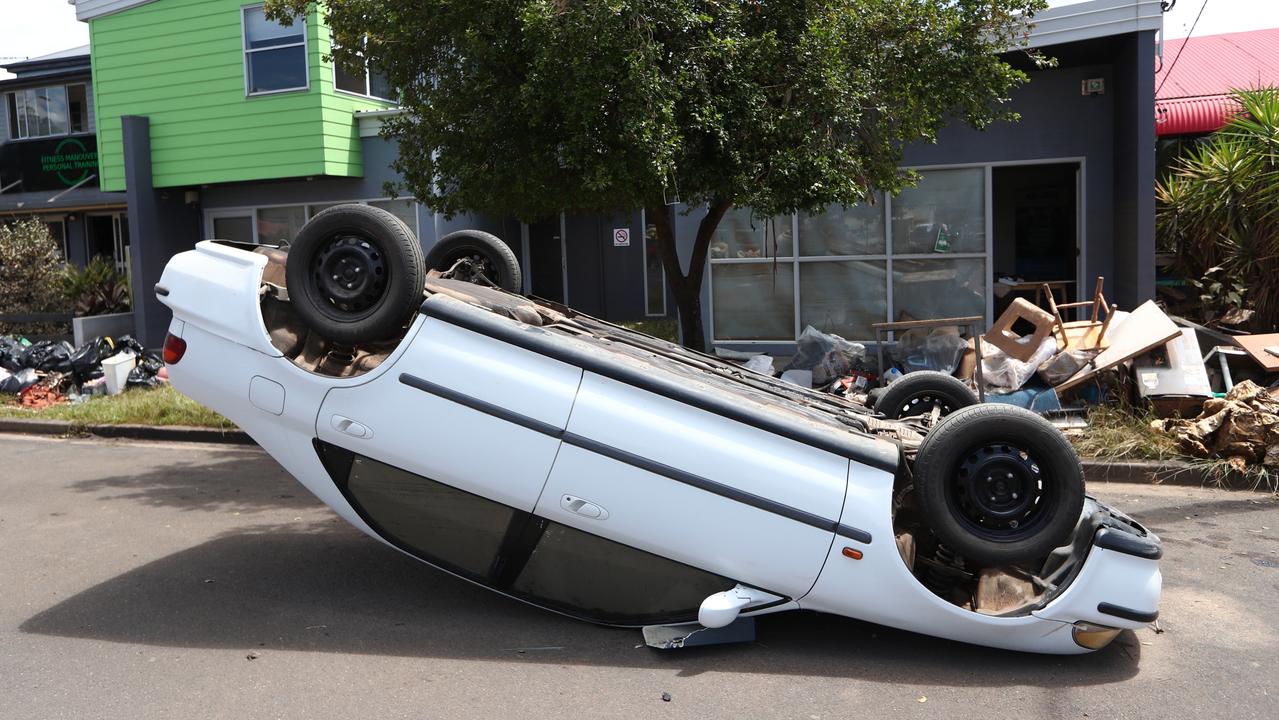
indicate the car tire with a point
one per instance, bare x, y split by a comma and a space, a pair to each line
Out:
919, 392
355, 273
998, 485
496, 261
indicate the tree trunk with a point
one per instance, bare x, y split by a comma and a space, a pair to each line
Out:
687, 287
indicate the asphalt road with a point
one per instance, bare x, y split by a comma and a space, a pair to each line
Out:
189, 581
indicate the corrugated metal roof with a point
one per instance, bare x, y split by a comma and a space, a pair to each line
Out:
1217, 64
1193, 116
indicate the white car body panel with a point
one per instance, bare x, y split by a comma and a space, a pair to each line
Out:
451, 443
523, 429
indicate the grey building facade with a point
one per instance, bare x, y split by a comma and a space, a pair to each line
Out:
48, 158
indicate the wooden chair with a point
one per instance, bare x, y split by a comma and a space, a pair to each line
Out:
1087, 334
1021, 347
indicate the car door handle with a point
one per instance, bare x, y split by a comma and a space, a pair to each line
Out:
585, 508
350, 427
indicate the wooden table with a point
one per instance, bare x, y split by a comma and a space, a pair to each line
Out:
1037, 286
973, 323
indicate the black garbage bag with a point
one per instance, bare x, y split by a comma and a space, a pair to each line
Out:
144, 373
86, 361
122, 343
12, 353
18, 381
50, 356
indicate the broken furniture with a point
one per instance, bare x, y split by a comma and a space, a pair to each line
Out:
1081, 334
972, 324
1221, 352
1021, 347
1135, 333
1255, 346
1173, 377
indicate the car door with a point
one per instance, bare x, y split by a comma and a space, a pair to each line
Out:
444, 457
462, 409
664, 476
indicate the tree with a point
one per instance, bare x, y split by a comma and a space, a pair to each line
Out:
530, 107
1218, 209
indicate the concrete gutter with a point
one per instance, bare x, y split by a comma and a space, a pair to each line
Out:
1166, 472
168, 433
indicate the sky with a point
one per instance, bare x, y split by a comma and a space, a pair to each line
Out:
31, 28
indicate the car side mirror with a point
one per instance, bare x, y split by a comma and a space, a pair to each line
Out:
721, 609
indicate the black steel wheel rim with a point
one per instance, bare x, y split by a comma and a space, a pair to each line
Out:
1000, 492
350, 275
923, 403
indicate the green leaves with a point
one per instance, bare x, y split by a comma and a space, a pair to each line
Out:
526, 107
1219, 209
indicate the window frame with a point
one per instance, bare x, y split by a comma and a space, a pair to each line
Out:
887, 257
17, 120
368, 85
245, 51
252, 212
647, 298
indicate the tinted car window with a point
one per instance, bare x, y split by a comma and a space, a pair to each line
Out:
447, 526
606, 581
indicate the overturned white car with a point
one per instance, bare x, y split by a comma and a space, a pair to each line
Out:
620, 479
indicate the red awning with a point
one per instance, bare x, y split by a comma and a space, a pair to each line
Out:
1193, 115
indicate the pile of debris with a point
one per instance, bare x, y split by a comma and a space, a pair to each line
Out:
1059, 358
49, 372
1242, 428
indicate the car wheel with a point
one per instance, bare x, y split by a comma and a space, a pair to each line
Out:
999, 485
355, 273
919, 392
489, 257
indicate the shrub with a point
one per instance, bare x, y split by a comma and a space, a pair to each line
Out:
1219, 206
97, 289
31, 277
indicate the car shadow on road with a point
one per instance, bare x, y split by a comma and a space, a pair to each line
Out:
336, 591
242, 480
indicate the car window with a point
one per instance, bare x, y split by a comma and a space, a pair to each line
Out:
543, 562
449, 527
589, 576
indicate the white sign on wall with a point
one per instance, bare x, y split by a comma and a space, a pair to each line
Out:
621, 237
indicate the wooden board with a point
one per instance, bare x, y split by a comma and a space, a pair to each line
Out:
1145, 329
1253, 344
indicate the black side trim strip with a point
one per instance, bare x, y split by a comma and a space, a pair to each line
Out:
161, 290
485, 407
870, 451
643, 463
1147, 547
1120, 611
853, 533
717, 488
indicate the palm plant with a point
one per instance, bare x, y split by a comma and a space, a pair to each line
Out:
1219, 206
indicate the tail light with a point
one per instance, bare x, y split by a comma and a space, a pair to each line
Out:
174, 348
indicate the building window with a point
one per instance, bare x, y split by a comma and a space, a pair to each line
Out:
362, 78
654, 274
921, 255
47, 111
274, 55
279, 224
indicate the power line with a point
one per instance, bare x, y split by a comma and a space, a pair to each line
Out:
1184, 43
